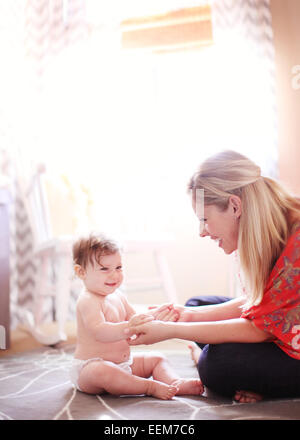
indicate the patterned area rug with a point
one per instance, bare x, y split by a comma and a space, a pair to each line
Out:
36, 386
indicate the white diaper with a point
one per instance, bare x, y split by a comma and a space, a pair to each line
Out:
78, 364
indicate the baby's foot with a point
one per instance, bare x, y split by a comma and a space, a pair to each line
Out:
189, 386
247, 397
195, 352
161, 390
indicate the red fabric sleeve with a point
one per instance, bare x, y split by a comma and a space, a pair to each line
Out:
279, 311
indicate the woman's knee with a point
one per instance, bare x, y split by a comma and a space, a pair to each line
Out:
206, 368
213, 372
257, 367
196, 301
205, 300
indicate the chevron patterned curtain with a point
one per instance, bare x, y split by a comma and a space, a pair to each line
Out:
32, 33
50, 27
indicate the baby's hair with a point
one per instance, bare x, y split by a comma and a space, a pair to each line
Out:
92, 248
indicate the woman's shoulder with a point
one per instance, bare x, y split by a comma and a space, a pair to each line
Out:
289, 257
293, 219
294, 238
295, 227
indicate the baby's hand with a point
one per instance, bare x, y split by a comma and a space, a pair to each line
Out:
166, 312
142, 318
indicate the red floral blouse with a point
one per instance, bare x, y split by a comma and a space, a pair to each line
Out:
279, 311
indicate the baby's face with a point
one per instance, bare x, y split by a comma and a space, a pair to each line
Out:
106, 277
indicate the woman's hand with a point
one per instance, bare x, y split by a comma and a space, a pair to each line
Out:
170, 312
149, 333
165, 312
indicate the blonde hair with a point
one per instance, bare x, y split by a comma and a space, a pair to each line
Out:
266, 219
92, 248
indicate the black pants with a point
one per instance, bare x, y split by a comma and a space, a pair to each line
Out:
259, 367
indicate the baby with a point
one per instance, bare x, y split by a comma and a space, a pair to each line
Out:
102, 360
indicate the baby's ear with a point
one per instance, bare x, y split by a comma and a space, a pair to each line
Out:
80, 271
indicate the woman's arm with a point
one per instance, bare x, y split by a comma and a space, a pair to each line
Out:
214, 332
215, 312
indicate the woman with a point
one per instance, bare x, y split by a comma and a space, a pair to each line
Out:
251, 344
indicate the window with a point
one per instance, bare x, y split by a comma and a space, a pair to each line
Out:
183, 29
124, 118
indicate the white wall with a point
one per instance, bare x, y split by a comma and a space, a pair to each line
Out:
285, 22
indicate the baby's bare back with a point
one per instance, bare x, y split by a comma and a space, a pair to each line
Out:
91, 311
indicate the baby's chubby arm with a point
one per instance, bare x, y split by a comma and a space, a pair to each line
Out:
104, 331
142, 318
133, 317
95, 322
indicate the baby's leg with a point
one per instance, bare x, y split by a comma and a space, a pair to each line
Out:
101, 376
157, 366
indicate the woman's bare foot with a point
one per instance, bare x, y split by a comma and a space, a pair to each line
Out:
161, 390
247, 397
195, 352
189, 386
